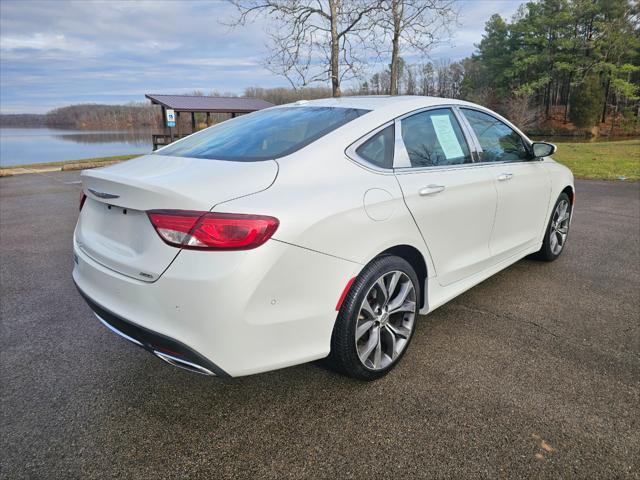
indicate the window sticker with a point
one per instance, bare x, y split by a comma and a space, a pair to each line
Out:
446, 136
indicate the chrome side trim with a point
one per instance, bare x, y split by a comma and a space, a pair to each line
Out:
405, 170
118, 332
178, 362
425, 109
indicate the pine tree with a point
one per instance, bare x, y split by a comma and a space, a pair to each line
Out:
586, 103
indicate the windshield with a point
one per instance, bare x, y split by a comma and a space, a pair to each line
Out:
263, 135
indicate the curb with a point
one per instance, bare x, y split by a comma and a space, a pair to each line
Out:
82, 166
10, 171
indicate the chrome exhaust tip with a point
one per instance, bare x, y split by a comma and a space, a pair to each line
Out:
170, 359
180, 363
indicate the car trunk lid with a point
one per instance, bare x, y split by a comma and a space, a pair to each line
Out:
114, 229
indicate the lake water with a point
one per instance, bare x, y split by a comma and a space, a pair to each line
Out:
23, 146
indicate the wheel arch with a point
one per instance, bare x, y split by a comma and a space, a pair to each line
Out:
417, 261
570, 192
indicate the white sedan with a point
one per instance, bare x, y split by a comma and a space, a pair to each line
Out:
311, 230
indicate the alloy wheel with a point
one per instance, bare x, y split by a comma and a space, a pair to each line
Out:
559, 227
385, 320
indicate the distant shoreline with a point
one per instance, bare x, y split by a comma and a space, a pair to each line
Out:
588, 160
64, 165
23, 120
576, 135
88, 117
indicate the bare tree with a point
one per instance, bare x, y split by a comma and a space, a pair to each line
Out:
410, 80
520, 110
420, 23
280, 95
313, 40
444, 79
443, 76
427, 84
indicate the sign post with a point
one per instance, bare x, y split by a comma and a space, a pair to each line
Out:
171, 121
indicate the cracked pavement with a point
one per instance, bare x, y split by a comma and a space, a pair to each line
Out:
535, 373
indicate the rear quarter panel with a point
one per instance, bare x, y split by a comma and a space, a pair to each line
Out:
319, 198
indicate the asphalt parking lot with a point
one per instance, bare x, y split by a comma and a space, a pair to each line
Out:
533, 373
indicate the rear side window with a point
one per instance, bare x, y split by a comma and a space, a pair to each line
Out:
378, 150
434, 138
263, 135
499, 142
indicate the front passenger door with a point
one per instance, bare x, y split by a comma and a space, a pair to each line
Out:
523, 184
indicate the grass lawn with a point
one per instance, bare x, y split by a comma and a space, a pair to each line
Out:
601, 160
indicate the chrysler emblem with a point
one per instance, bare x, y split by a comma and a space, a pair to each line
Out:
103, 194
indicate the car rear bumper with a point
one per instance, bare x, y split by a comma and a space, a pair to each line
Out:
168, 349
226, 313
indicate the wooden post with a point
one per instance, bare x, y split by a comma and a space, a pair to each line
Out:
208, 119
193, 122
233, 114
163, 123
178, 123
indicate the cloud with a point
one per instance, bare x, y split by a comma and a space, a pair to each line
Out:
216, 62
38, 41
53, 53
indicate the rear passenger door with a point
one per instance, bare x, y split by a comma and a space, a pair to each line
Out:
522, 183
452, 200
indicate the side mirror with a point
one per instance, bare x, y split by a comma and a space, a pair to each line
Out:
543, 149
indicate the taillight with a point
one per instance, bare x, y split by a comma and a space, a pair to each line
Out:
83, 198
212, 231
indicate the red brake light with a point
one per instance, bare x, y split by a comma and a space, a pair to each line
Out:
212, 231
83, 198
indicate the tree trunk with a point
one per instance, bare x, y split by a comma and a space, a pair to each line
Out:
335, 49
613, 120
606, 97
395, 47
547, 99
568, 98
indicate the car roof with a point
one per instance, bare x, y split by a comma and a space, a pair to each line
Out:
377, 102
384, 108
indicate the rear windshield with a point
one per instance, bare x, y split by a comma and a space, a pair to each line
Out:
263, 135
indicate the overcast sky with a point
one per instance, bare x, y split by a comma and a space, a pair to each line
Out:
54, 53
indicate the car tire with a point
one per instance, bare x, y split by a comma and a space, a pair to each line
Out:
388, 319
555, 236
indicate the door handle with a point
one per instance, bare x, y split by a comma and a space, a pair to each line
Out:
505, 176
431, 190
